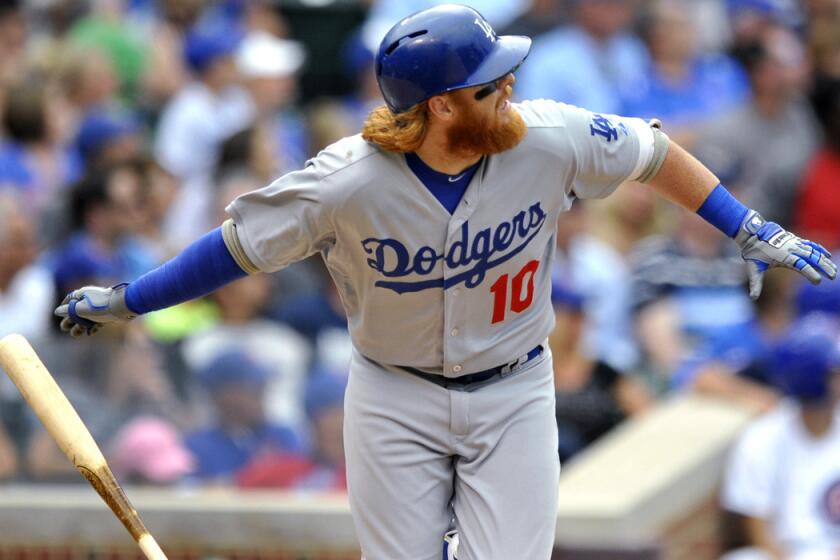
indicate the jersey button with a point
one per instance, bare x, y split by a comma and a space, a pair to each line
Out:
456, 291
454, 332
457, 368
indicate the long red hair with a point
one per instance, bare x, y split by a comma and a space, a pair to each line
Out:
403, 132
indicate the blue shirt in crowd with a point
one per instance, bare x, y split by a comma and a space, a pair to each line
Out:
568, 65
18, 170
220, 454
81, 260
714, 85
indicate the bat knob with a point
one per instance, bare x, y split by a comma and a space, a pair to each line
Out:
150, 547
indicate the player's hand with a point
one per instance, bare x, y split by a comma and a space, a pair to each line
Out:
84, 311
766, 244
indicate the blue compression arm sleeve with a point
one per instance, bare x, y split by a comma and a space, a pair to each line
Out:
201, 268
723, 211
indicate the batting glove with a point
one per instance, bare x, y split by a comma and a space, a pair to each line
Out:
450, 545
766, 244
86, 309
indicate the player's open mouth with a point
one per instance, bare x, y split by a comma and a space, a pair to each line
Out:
505, 106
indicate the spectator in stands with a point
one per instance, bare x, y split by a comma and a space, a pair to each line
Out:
187, 141
26, 295
541, 17
108, 136
250, 151
49, 23
106, 214
731, 364
816, 9
86, 80
269, 67
776, 134
783, 475
238, 320
684, 88
109, 385
240, 432
358, 65
630, 214
150, 451
165, 70
824, 40
319, 316
244, 161
241, 328
256, 15
32, 161
324, 405
592, 63
323, 467
598, 273
822, 298
158, 193
13, 35
26, 287
248, 155
687, 286
103, 27
331, 119
141, 384
163, 25
592, 397
818, 204
749, 19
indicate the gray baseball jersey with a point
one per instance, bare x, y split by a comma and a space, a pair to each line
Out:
448, 294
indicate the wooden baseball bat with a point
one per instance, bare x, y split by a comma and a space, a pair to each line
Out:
62, 422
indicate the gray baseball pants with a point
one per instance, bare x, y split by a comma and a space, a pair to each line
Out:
419, 455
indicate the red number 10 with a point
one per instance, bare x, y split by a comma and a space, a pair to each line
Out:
519, 302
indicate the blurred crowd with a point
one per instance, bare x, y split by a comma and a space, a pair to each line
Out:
126, 126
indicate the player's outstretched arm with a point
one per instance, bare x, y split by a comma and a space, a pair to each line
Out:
686, 181
207, 264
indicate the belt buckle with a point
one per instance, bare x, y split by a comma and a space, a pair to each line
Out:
514, 365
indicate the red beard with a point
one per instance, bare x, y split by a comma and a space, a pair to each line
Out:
479, 134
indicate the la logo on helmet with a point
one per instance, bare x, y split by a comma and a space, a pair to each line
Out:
485, 27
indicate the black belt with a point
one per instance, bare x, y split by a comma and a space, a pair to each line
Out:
464, 382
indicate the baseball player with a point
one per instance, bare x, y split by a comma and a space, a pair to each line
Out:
437, 225
783, 475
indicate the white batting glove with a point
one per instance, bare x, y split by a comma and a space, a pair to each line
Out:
86, 309
766, 244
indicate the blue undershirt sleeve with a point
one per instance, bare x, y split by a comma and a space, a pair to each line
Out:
723, 211
202, 267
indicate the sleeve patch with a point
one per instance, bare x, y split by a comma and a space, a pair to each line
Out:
603, 127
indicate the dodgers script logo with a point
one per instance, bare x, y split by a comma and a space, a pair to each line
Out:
484, 250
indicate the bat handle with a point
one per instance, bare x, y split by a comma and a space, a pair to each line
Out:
150, 547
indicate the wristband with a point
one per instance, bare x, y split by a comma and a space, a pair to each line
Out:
723, 211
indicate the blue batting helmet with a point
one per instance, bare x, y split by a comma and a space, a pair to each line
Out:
805, 357
441, 49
